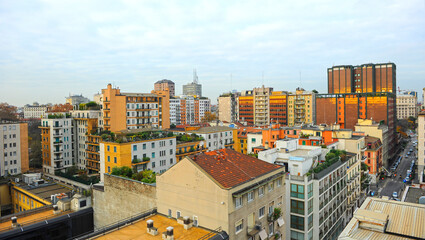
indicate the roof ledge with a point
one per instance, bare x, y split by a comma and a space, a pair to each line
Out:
371, 220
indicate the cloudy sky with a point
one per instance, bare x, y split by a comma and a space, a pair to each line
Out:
49, 49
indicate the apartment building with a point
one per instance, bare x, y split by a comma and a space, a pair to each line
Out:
421, 147
86, 123
35, 110
13, 148
301, 107
164, 85
407, 105
134, 110
186, 148
193, 88
57, 142
217, 137
373, 156
316, 186
225, 189
188, 109
386, 219
154, 150
371, 128
227, 107
241, 144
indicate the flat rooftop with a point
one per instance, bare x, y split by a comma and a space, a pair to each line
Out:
138, 230
29, 217
405, 221
44, 190
413, 195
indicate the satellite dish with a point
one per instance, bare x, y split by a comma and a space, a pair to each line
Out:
422, 200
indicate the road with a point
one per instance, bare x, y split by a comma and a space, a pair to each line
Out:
395, 184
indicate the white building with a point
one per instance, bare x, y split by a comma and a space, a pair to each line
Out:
13, 148
253, 140
35, 110
84, 120
407, 105
188, 109
217, 137
317, 205
421, 147
57, 132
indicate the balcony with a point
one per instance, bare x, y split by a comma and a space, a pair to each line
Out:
57, 126
57, 150
57, 134
58, 159
57, 142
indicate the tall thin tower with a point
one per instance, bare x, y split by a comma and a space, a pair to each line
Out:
195, 76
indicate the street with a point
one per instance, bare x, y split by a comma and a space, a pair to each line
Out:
395, 184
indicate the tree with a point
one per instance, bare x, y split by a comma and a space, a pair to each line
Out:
34, 142
209, 117
7, 112
172, 126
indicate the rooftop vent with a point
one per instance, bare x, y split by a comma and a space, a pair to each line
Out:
150, 228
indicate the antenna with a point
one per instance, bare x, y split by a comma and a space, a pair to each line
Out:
262, 76
300, 80
195, 76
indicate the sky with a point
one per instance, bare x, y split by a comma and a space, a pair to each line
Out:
50, 49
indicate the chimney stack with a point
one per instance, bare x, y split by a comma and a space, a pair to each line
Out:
150, 228
14, 222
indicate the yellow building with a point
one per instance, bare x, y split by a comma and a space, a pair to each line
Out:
301, 107
189, 148
135, 110
29, 196
154, 150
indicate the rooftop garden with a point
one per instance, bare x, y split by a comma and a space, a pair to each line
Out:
89, 106
58, 115
73, 173
331, 157
109, 136
147, 176
188, 138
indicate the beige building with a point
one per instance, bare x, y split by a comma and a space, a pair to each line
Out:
386, 219
76, 99
225, 189
374, 129
301, 107
421, 147
227, 107
13, 148
406, 106
164, 85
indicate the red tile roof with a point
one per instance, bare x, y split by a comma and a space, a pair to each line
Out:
230, 168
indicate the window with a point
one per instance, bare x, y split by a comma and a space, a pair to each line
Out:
297, 222
297, 207
144, 145
297, 235
239, 226
271, 229
271, 207
153, 164
310, 206
279, 182
153, 145
270, 187
171, 151
115, 159
297, 191
134, 147
238, 202
115, 149
109, 158
153, 155
253, 140
261, 212
310, 221
310, 190
171, 142
261, 191
109, 169
250, 196
107, 148
171, 161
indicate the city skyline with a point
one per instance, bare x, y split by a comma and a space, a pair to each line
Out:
52, 48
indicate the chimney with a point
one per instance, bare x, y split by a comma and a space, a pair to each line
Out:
150, 228
56, 209
187, 223
170, 232
14, 222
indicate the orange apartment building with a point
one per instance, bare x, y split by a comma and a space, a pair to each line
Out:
373, 154
135, 110
360, 92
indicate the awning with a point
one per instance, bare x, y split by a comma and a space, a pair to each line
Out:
263, 234
280, 221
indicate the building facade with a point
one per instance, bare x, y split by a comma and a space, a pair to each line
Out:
35, 110
407, 106
188, 109
373, 156
134, 110
76, 100
301, 107
421, 147
156, 152
240, 194
227, 107
217, 137
13, 148
57, 142
165, 84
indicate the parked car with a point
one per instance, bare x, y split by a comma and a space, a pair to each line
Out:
395, 195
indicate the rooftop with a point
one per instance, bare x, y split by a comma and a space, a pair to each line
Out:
230, 168
138, 230
413, 194
215, 129
45, 190
386, 219
164, 81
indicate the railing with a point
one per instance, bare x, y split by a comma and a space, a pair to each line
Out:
210, 234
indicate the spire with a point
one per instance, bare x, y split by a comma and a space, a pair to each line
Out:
195, 76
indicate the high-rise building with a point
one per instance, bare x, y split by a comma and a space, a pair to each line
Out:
262, 106
421, 147
135, 110
188, 109
13, 148
57, 142
164, 84
227, 107
407, 105
193, 88
301, 109
360, 92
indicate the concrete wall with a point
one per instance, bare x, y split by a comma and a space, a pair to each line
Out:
120, 199
421, 147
